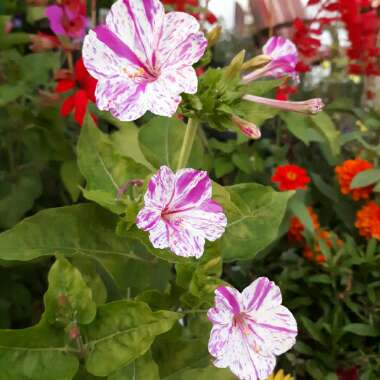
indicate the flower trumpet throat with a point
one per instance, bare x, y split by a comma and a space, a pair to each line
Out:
311, 106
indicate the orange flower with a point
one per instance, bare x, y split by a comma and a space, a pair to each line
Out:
368, 220
347, 171
297, 228
290, 177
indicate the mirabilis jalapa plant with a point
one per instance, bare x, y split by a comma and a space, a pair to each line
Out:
142, 59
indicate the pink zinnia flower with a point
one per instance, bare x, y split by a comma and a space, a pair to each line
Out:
143, 58
179, 213
250, 329
284, 58
68, 19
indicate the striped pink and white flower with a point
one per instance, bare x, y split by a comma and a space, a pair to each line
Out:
284, 57
142, 58
250, 329
179, 213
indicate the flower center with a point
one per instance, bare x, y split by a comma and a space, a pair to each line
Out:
291, 176
240, 321
149, 75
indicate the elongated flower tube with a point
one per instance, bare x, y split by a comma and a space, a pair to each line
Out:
142, 59
179, 213
311, 106
284, 57
248, 129
250, 329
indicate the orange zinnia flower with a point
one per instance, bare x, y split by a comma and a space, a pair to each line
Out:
297, 228
347, 171
290, 177
368, 221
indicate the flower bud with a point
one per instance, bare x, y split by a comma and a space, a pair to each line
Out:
248, 129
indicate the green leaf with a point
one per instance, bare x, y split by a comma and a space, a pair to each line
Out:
262, 87
35, 13
325, 125
365, 178
10, 93
207, 373
254, 215
87, 231
68, 298
103, 168
298, 208
126, 143
121, 332
223, 166
313, 329
143, 368
71, 178
362, 329
301, 127
161, 140
17, 197
36, 353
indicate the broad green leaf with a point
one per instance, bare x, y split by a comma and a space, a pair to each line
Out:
365, 178
161, 140
90, 273
301, 127
325, 125
103, 168
143, 368
254, 215
121, 332
126, 143
17, 197
36, 353
362, 329
68, 298
87, 231
71, 178
35, 13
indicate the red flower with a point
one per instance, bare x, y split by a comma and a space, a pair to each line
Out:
290, 177
84, 85
348, 374
283, 92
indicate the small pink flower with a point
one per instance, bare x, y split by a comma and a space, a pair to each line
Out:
179, 213
66, 20
250, 329
284, 58
143, 58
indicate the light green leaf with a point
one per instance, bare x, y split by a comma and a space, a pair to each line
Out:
365, 178
143, 368
362, 329
254, 215
325, 125
68, 298
36, 353
121, 332
298, 208
161, 140
103, 168
126, 143
71, 178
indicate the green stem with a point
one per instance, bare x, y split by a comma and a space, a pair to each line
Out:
188, 141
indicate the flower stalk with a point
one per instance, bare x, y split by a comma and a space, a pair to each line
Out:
187, 144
